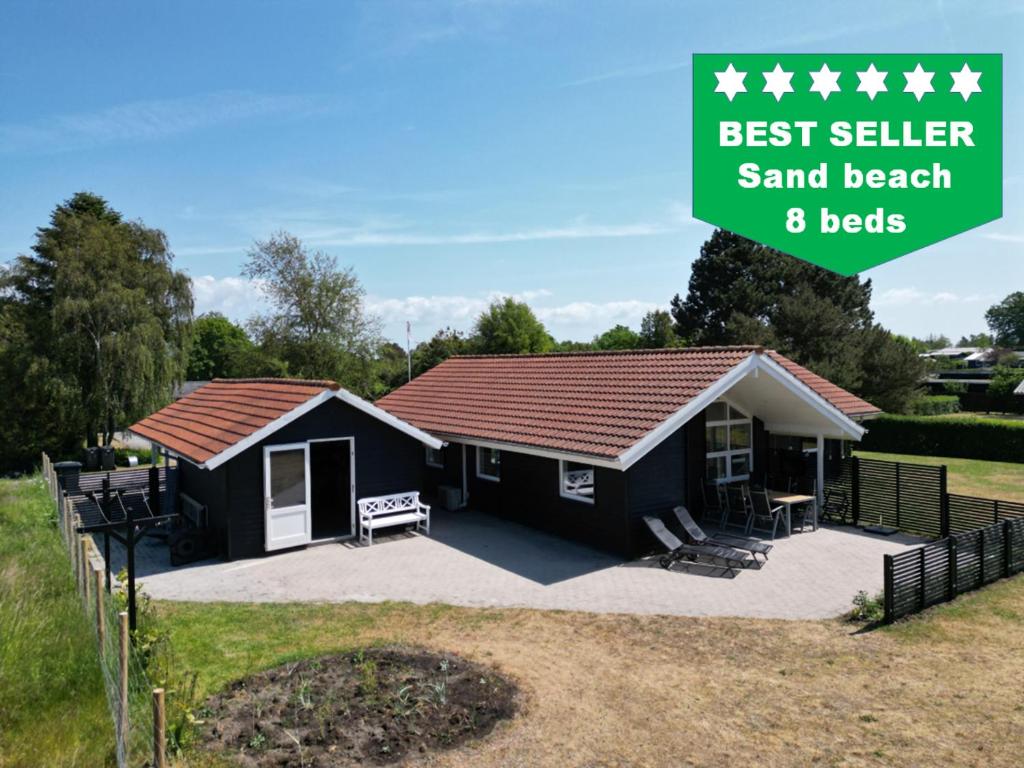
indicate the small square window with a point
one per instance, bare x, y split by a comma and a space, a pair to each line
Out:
488, 463
435, 457
716, 438
577, 481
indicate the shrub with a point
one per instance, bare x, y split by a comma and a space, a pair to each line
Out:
867, 608
965, 438
935, 405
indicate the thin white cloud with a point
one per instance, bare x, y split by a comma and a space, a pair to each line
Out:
588, 313
1004, 237
145, 120
894, 297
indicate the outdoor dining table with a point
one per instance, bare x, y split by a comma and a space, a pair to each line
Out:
788, 499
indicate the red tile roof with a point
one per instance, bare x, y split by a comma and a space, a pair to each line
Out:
594, 403
224, 412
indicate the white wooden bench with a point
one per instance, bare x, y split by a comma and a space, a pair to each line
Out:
396, 509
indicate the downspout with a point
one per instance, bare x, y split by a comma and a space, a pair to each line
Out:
465, 482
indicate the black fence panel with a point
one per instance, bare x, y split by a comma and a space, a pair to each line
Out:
909, 497
969, 512
941, 570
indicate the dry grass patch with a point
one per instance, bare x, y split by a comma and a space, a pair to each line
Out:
945, 688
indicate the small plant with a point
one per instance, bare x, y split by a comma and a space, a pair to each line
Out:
258, 740
305, 695
867, 608
367, 675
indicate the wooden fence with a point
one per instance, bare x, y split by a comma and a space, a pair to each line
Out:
136, 707
892, 494
941, 570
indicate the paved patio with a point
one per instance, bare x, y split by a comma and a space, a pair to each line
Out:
474, 559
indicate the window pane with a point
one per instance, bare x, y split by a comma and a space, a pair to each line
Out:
287, 478
716, 412
739, 437
490, 462
740, 464
716, 439
578, 479
715, 468
435, 456
736, 413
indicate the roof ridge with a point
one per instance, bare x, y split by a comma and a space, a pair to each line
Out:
325, 383
755, 348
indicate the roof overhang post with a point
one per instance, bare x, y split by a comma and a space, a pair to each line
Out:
820, 490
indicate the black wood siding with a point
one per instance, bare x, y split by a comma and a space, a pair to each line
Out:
656, 484
208, 487
387, 461
449, 474
529, 493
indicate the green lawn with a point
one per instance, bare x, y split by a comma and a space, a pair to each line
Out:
970, 477
826, 694
52, 707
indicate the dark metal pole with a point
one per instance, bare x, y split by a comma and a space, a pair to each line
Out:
130, 549
106, 558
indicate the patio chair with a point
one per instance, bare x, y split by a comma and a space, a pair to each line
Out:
765, 517
714, 507
697, 535
835, 507
676, 550
738, 505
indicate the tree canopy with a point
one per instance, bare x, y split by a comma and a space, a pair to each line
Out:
95, 326
742, 292
657, 330
1006, 320
618, 337
509, 327
317, 325
221, 349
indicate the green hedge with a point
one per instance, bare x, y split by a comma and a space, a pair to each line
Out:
964, 438
935, 405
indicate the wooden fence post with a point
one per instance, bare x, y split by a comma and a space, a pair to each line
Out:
897, 494
159, 730
922, 598
84, 545
952, 567
101, 619
122, 681
944, 528
855, 489
1007, 547
888, 597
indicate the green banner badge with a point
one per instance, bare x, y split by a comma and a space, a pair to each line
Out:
847, 160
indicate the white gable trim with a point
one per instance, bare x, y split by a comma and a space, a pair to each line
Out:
753, 364
392, 421
346, 397
653, 438
851, 428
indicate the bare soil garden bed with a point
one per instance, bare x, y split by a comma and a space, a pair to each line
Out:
373, 706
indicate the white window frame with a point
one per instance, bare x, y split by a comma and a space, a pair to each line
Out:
479, 472
564, 492
729, 453
431, 463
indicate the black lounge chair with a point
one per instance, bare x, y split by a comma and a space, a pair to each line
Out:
733, 559
696, 533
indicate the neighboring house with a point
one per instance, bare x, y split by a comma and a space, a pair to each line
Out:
581, 444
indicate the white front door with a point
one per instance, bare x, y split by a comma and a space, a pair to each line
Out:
286, 495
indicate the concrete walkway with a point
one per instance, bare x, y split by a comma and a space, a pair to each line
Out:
474, 559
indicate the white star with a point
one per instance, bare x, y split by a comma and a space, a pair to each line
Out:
919, 82
826, 82
730, 82
872, 82
965, 82
777, 82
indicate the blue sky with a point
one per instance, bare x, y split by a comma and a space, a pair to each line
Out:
448, 151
